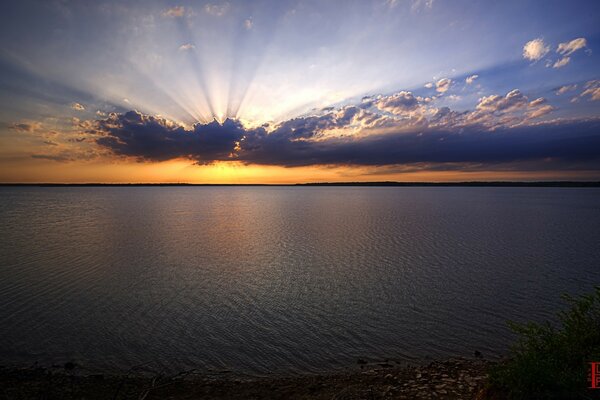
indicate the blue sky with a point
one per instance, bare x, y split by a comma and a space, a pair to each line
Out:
65, 66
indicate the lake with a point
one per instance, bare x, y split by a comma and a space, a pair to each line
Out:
268, 280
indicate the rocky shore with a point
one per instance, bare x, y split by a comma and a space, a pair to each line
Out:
457, 378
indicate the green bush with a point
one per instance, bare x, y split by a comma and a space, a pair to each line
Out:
552, 362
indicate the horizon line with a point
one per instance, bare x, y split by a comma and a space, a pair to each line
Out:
349, 183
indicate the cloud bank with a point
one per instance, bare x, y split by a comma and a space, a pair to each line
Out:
398, 129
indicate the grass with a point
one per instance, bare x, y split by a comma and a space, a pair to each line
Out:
552, 361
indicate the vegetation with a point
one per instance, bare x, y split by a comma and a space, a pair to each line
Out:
553, 361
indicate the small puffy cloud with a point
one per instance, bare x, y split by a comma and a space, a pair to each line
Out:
77, 106
535, 49
538, 112
565, 89
428, 85
571, 47
217, 10
592, 90
174, 12
561, 62
398, 103
495, 103
538, 102
248, 23
443, 85
538, 108
187, 47
471, 79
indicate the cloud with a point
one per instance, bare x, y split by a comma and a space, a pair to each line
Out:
53, 157
187, 47
471, 79
571, 47
77, 106
418, 5
174, 12
415, 5
385, 130
592, 90
150, 139
428, 85
443, 85
561, 62
539, 111
158, 139
565, 89
538, 102
217, 10
535, 49
398, 103
495, 103
248, 23
28, 127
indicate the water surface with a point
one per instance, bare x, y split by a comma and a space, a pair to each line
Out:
283, 279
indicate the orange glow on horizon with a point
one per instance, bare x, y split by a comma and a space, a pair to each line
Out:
183, 171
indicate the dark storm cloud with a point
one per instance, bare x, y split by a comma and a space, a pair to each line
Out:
297, 142
568, 142
157, 139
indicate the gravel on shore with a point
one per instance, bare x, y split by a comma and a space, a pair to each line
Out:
456, 378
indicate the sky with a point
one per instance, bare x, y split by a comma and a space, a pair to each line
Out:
293, 91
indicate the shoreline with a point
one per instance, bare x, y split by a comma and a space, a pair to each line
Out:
453, 378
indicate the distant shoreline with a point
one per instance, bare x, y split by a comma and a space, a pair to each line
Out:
572, 184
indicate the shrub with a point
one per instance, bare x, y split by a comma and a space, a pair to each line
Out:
552, 362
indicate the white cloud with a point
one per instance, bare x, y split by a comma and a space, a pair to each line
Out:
77, 106
562, 62
471, 79
174, 12
443, 85
571, 47
248, 23
187, 47
428, 85
535, 49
